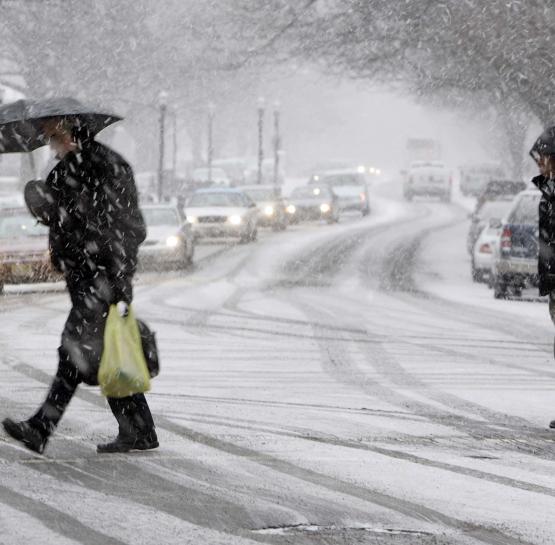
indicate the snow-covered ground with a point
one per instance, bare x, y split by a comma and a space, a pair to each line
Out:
330, 384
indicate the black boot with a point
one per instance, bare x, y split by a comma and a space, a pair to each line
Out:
27, 434
136, 426
125, 443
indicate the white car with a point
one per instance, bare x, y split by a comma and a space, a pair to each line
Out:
428, 179
484, 247
169, 240
220, 212
215, 175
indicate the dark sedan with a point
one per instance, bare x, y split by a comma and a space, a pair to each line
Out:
312, 203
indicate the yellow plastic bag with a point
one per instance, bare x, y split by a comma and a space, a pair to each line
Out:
123, 370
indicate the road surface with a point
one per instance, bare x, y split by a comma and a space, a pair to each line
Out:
341, 384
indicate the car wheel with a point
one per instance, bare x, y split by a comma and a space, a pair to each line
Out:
190, 254
490, 280
476, 275
499, 289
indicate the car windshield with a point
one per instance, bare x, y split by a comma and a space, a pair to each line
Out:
160, 216
21, 226
310, 193
217, 199
258, 195
494, 209
339, 180
527, 210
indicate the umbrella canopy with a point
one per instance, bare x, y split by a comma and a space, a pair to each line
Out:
20, 129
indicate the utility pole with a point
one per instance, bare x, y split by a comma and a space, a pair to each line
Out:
163, 105
261, 104
277, 144
210, 143
174, 154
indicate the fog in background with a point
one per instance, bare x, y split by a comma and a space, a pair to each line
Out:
229, 55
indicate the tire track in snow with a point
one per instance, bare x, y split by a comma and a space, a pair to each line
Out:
410, 509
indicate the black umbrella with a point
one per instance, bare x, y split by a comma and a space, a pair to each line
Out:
20, 129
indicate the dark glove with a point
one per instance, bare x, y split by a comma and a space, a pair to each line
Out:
40, 201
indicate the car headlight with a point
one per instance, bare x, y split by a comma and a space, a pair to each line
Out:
291, 209
269, 211
325, 208
235, 220
192, 219
172, 242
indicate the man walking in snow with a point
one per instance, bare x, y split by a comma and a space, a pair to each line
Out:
89, 202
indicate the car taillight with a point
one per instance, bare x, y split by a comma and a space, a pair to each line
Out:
485, 249
506, 242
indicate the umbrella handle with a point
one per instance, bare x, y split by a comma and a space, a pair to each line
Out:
33, 164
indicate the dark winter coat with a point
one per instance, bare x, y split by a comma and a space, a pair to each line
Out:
96, 234
546, 259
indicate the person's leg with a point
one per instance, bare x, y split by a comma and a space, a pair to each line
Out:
79, 355
61, 391
136, 425
552, 306
552, 315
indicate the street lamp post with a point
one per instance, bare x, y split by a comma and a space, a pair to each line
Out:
174, 154
261, 104
163, 104
210, 150
277, 143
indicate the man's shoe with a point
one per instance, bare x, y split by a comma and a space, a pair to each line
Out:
125, 443
32, 438
552, 424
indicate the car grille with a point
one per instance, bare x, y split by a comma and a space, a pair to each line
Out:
150, 242
212, 219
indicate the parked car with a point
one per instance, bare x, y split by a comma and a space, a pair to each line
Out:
479, 219
24, 253
515, 263
169, 240
312, 203
428, 179
474, 178
270, 204
221, 212
349, 186
215, 175
484, 248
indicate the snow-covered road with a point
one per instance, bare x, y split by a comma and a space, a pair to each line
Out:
342, 384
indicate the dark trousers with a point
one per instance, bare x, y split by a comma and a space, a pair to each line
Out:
79, 359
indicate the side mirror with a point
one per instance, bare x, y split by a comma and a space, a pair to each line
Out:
495, 223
